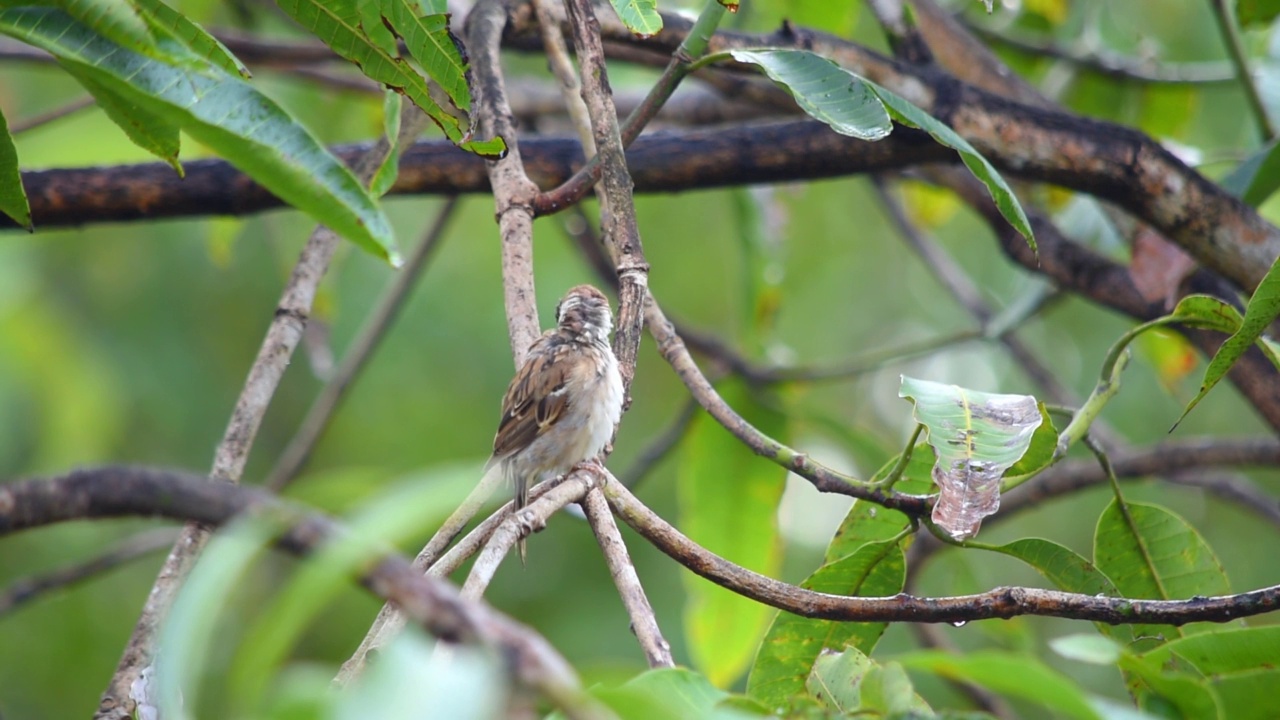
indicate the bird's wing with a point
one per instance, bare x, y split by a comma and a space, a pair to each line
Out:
536, 398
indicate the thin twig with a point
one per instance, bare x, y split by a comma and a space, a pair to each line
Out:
375, 327
643, 622
57, 113
1235, 51
124, 693
26, 590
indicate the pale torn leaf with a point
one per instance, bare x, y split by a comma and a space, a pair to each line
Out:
977, 436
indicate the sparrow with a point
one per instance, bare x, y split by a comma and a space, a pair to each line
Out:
563, 404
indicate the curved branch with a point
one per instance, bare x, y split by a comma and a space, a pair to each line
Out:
1004, 602
433, 603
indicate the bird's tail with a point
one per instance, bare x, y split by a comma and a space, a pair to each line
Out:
521, 491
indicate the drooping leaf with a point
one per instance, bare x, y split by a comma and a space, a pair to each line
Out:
824, 90
640, 16
793, 643
1066, 570
146, 129
977, 437
1263, 308
430, 43
728, 500
13, 197
1151, 553
1240, 664
223, 112
906, 113
1014, 674
339, 24
385, 176
194, 37
117, 21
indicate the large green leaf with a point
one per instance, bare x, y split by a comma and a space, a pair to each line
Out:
1013, 674
1263, 308
793, 643
908, 114
728, 500
1257, 12
223, 112
978, 436
1066, 569
1241, 664
13, 198
191, 35
824, 90
853, 685
116, 20
146, 129
1151, 553
1149, 682
340, 24
640, 16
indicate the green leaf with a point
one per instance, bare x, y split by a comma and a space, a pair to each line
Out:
908, 114
728, 502
223, 112
672, 694
340, 25
385, 176
146, 129
417, 501
824, 90
1160, 690
1257, 12
1263, 308
793, 643
1151, 553
1088, 648
977, 437
116, 20
1066, 570
1240, 664
1255, 179
886, 689
640, 16
433, 46
1013, 674
1040, 453
836, 680
192, 36
13, 197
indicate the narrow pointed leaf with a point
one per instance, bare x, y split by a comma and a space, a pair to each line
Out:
146, 129
977, 437
821, 88
1263, 308
116, 20
13, 198
195, 38
640, 16
793, 643
223, 112
339, 24
906, 113
1151, 553
433, 46
728, 503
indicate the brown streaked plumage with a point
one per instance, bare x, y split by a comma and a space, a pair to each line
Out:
561, 407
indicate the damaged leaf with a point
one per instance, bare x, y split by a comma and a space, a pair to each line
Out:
977, 437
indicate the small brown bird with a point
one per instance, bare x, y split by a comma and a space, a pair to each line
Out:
563, 404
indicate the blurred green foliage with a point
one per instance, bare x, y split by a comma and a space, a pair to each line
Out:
129, 343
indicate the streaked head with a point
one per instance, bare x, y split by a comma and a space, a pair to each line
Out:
584, 311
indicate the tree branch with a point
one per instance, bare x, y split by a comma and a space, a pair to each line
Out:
434, 604
1003, 602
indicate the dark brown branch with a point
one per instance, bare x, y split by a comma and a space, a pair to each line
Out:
1004, 602
435, 604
